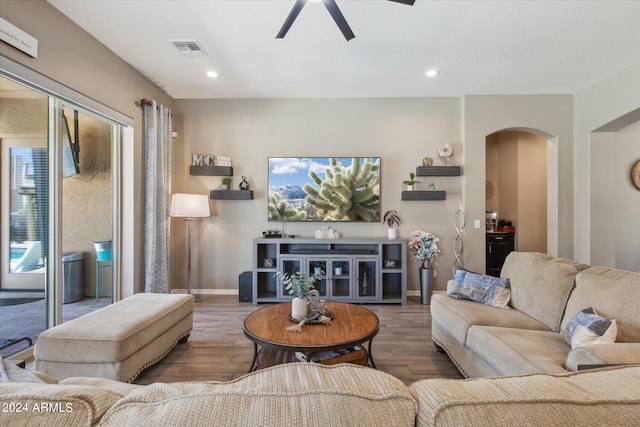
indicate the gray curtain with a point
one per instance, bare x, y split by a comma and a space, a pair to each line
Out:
157, 146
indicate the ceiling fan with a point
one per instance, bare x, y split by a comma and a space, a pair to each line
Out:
335, 13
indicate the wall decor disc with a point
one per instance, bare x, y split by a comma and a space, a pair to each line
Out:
635, 174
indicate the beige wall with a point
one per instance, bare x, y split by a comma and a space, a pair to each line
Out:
604, 103
70, 56
549, 116
401, 131
614, 201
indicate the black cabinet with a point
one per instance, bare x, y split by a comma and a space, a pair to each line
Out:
499, 245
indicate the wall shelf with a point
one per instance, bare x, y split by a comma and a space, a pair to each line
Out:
424, 195
211, 170
231, 194
438, 171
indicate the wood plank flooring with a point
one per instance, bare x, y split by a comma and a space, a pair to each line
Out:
217, 349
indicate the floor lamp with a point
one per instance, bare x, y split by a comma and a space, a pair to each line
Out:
189, 206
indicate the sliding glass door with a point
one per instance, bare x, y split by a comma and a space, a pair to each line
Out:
58, 205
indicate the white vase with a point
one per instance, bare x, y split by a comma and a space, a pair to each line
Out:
298, 308
392, 232
409, 187
338, 271
317, 270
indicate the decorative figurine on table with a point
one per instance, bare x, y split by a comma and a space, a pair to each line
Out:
244, 185
315, 312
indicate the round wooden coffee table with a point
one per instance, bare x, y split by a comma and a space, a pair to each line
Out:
266, 327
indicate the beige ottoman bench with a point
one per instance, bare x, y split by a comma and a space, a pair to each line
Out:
118, 341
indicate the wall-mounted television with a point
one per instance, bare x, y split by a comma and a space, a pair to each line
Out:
70, 147
321, 189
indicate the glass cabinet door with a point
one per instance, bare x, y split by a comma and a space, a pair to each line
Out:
318, 267
366, 279
288, 266
340, 273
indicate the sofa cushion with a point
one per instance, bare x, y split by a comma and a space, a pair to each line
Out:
460, 315
103, 383
540, 285
53, 404
587, 327
284, 395
516, 351
115, 332
480, 288
613, 293
589, 398
622, 353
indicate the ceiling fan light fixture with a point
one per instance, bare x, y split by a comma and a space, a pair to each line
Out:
432, 73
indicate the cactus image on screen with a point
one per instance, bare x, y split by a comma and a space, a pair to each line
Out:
279, 210
346, 193
324, 189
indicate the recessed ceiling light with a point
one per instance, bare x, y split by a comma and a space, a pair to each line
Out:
212, 74
432, 73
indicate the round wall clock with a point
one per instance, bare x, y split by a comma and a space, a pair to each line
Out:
635, 174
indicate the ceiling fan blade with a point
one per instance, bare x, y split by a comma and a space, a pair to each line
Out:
338, 17
409, 2
292, 17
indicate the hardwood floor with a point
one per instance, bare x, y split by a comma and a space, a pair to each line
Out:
217, 349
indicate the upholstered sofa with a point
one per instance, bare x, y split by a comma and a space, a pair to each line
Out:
309, 394
546, 293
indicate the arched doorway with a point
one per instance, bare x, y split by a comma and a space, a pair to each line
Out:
521, 186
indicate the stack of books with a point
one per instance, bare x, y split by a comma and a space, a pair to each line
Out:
356, 355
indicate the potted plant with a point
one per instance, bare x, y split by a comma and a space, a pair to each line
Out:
225, 183
317, 267
337, 268
411, 182
392, 220
298, 286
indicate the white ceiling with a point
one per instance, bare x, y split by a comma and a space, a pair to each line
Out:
480, 47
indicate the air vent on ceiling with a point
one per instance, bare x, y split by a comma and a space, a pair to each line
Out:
189, 47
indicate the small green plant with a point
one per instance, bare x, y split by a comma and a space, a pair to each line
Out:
338, 264
297, 283
225, 181
391, 218
318, 264
412, 179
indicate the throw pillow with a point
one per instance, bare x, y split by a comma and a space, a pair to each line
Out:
12, 373
480, 288
588, 327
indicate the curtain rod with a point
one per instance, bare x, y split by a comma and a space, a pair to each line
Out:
144, 101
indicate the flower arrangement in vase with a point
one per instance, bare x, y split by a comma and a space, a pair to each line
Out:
424, 247
298, 286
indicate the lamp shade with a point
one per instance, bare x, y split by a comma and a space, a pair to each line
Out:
189, 205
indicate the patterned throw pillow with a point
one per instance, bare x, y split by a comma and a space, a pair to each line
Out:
588, 327
480, 288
